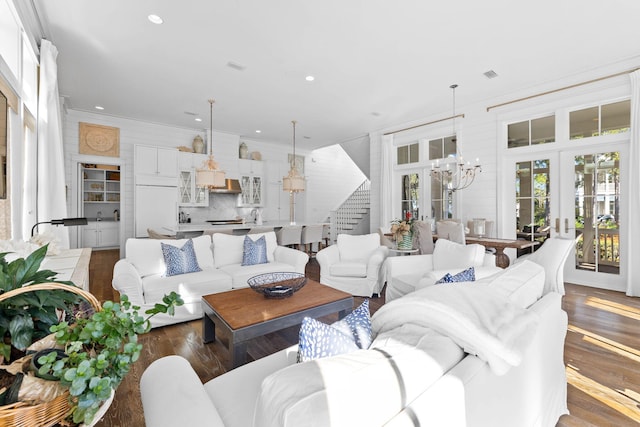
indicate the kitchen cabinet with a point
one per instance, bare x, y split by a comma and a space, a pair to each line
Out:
188, 193
155, 165
251, 180
101, 234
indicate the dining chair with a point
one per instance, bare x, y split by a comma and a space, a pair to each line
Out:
289, 235
451, 230
422, 237
326, 234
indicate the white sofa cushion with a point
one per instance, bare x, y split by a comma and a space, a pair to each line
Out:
190, 286
449, 255
146, 254
357, 248
522, 283
229, 249
241, 273
349, 269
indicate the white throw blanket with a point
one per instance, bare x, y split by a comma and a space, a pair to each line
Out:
481, 321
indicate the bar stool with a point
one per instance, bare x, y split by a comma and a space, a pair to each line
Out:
289, 235
326, 234
311, 234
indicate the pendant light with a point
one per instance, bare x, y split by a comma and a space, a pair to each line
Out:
210, 176
294, 182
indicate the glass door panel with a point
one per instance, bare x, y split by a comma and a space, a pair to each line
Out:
533, 200
597, 212
410, 195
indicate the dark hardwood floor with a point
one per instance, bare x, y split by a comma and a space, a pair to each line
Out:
602, 352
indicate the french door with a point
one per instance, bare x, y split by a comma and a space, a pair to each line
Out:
574, 193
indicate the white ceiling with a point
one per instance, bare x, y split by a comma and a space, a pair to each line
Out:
376, 63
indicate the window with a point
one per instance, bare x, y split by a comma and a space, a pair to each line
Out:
532, 199
442, 147
408, 154
531, 132
600, 120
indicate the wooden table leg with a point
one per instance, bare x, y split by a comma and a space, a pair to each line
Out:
502, 259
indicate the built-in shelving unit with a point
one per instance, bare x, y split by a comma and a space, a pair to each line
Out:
101, 205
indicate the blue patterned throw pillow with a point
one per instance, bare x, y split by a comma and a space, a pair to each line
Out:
357, 325
318, 339
254, 252
468, 275
180, 260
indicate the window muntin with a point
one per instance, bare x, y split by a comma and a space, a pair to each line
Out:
600, 120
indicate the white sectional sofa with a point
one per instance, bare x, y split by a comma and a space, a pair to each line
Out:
141, 274
410, 273
503, 369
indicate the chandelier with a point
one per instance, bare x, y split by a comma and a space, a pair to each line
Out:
459, 175
210, 176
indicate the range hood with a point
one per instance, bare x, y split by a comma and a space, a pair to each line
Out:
232, 187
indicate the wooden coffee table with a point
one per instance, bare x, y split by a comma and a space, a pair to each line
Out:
244, 314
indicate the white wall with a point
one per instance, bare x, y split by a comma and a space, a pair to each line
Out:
331, 177
314, 204
481, 135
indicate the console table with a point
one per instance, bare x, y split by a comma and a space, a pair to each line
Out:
502, 260
70, 264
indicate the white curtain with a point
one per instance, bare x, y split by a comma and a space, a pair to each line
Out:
633, 253
386, 185
52, 201
29, 176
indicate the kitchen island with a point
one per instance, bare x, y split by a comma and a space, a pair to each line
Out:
187, 230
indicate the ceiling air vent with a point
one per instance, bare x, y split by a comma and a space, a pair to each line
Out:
490, 74
236, 66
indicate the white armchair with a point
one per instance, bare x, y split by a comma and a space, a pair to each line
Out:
354, 264
406, 274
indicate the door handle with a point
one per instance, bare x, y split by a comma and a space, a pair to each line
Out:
566, 225
557, 225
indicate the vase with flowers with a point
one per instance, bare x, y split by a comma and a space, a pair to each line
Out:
402, 231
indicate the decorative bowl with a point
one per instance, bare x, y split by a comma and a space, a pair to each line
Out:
277, 285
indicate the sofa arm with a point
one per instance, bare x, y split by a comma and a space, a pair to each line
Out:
327, 256
376, 260
127, 280
293, 257
173, 395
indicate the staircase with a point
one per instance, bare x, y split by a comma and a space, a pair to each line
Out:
350, 214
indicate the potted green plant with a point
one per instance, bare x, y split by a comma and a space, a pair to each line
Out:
100, 342
27, 317
100, 350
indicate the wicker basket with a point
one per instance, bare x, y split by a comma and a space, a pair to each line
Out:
50, 413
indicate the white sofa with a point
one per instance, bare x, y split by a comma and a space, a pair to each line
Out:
411, 375
354, 264
409, 273
141, 274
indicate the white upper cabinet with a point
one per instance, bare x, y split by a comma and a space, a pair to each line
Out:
156, 165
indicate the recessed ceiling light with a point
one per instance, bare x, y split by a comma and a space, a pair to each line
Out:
258, 131
155, 19
198, 119
99, 107
375, 113
309, 78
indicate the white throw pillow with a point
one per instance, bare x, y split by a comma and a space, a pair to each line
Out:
229, 249
449, 255
357, 248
